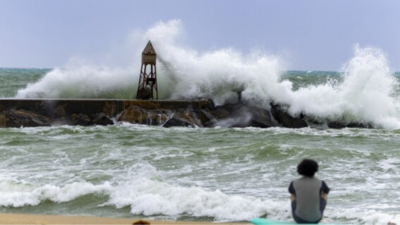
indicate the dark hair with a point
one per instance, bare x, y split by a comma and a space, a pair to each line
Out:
307, 167
141, 222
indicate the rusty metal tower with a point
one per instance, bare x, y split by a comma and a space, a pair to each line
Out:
148, 78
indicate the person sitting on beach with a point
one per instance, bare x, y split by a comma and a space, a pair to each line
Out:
308, 194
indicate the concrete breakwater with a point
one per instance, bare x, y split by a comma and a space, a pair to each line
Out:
167, 113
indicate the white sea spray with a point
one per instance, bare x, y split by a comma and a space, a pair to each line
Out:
366, 95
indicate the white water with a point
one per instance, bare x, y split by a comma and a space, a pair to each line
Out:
367, 94
78, 81
152, 198
235, 175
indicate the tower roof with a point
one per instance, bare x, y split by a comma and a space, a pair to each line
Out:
149, 50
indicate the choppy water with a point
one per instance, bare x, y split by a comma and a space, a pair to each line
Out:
220, 174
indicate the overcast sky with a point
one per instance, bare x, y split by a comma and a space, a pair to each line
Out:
308, 34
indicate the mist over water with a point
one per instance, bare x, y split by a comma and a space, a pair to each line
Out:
367, 93
79, 82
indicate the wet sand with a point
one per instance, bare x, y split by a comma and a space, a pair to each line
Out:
55, 219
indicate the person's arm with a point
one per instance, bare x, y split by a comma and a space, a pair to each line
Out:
325, 191
292, 192
324, 196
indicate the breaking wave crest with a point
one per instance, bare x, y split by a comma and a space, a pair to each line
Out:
367, 92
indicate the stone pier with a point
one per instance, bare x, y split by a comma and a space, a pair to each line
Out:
45, 112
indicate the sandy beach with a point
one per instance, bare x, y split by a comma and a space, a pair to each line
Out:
55, 219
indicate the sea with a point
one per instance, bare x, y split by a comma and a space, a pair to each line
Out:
194, 174
217, 174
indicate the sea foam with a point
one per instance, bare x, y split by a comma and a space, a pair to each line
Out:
157, 199
151, 198
367, 94
17, 194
